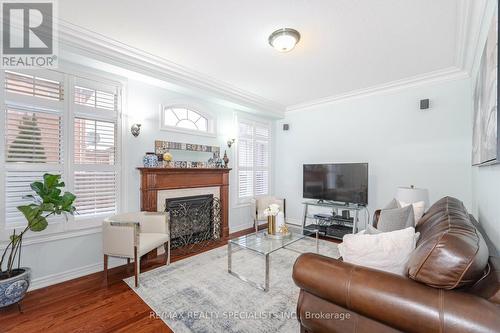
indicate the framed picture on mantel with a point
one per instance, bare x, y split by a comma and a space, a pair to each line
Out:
486, 139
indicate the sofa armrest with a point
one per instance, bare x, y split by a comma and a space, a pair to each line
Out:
393, 300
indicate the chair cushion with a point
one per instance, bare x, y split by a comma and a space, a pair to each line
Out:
451, 252
150, 241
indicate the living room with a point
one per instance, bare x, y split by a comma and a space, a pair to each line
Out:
285, 166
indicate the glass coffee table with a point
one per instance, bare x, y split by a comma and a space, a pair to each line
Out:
264, 245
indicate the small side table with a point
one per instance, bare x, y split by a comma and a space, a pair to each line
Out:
260, 244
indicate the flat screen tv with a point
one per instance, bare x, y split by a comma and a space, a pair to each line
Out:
341, 182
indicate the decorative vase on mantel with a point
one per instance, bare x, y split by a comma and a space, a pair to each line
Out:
150, 160
225, 159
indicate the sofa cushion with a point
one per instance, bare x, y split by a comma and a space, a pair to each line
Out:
386, 251
451, 252
396, 219
371, 230
418, 209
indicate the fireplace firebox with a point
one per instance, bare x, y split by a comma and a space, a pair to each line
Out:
194, 220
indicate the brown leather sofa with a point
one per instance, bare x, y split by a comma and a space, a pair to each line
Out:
453, 284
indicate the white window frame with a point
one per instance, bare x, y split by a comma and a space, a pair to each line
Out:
73, 226
79, 111
211, 119
31, 102
261, 122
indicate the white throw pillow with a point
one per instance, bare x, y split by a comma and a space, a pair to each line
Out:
387, 251
418, 209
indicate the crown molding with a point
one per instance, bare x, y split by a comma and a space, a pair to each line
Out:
464, 16
472, 15
449, 74
107, 49
470, 30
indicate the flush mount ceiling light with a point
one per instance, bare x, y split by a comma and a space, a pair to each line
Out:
284, 40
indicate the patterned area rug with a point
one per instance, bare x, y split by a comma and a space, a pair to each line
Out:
197, 294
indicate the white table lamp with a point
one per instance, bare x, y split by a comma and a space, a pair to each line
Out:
412, 194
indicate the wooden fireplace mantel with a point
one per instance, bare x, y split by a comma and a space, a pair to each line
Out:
157, 179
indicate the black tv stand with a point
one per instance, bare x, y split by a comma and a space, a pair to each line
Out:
332, 225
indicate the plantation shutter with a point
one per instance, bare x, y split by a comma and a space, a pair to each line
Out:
253, 159
31, 85
94, 141
95, 192
33, 135
261, 160
95, 148
94, 96
17, 186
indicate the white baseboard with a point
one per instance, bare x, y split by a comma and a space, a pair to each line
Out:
292, 220
240, 227
51, 279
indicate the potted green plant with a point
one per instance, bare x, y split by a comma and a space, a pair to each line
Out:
47, 201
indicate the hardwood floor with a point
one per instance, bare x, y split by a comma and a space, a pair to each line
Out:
88, 304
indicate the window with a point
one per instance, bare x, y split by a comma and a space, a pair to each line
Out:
95, 148
184, 119
33, 112
253, 159
33, 136
95, 98
33, 86
17, 186
96, 192
37, 115
94, 141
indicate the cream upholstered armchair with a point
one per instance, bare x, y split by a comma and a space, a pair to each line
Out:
132, 235
259, 204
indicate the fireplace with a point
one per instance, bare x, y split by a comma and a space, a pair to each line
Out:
193, 220
161, 184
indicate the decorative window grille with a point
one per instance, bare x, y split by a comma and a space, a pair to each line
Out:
186, 119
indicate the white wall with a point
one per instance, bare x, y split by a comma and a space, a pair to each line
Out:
143, 107
58, 258
486, 200
402, 144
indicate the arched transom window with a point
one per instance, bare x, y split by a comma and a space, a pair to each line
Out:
184, 118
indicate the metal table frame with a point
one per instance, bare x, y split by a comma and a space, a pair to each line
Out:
265, 286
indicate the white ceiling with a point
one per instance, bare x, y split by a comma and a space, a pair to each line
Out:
346, 45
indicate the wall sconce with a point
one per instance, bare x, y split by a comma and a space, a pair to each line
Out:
135, 129
230, 142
